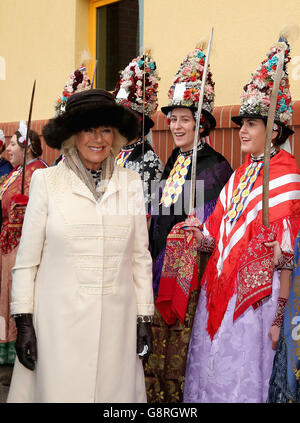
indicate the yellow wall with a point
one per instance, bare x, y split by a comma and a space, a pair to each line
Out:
81, 28
243, 32
42, 40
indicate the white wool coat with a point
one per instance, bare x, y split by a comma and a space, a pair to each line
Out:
84, 270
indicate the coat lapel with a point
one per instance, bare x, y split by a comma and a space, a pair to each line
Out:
79, 188
113, 185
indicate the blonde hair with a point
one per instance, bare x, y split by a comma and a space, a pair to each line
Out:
118, 142
68, 145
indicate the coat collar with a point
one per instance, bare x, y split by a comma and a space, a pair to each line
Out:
79, 187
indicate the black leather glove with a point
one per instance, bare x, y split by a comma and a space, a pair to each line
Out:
26, 346
144, 337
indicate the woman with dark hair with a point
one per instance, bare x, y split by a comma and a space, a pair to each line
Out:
82, 288
129, 92
175, 307
12, 220
245, 286
5, 166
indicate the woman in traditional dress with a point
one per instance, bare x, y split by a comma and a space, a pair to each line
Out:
13, 208
165, 368
82, 288
242, 298
5, 166
5, 169
285, 378
138, 155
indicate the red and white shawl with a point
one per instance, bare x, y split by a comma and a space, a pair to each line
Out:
232, 239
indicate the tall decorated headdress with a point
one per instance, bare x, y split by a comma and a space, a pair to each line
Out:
2, 138
130, 90
255, 98
78, 81
186, 86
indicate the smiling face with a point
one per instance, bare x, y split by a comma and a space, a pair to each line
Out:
15, 152
94, 145
182, 126
252, 136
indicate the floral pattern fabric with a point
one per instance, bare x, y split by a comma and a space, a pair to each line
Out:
153, 168
255, 273
5, 169
165, 368
284, 384
179, 275
231, 360
11, 231
236, 366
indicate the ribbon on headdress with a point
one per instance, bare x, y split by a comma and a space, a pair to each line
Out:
2, 138
23, 131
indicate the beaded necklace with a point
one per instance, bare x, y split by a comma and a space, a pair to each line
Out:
241, 193
177, 177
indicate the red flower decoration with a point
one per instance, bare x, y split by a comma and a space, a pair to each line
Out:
196, 96
264, 73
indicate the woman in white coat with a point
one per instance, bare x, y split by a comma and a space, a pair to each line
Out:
82, 288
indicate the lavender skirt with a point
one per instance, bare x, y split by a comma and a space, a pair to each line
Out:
236, 366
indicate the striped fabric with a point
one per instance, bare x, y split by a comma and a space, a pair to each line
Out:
232, 238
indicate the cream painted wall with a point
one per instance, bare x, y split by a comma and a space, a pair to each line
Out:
82, 28
39, 39
42, 40
243, 32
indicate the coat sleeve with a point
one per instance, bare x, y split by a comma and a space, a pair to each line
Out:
31, 246
141, 258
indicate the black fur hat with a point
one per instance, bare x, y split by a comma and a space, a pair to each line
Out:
90, 109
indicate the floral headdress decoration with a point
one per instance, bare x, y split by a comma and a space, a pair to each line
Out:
23, 131
255, 98
186, 86
129, 90
2, 138
78, 81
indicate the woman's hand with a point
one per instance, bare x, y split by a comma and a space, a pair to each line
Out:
196, 232
26, 344
189, 225
277, 250
144, 339
274, 335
